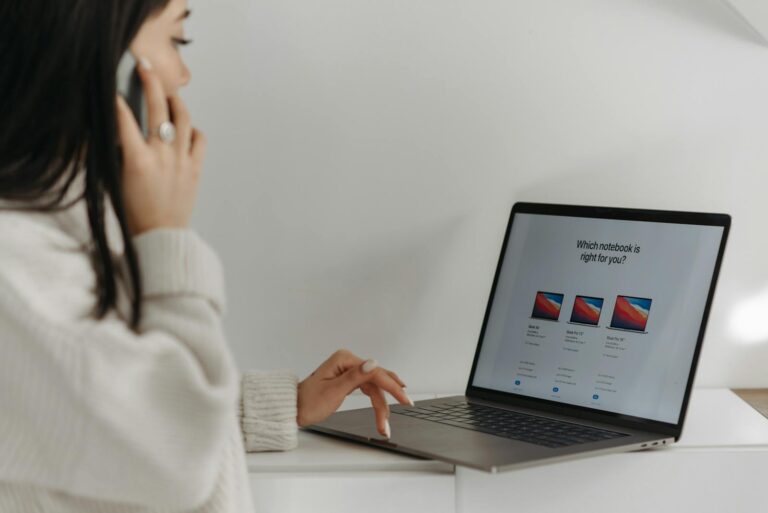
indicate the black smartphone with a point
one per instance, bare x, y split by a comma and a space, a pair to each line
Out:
129, 87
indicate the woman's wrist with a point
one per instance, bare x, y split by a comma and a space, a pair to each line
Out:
177, 261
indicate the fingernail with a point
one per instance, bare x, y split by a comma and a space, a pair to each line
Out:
387, 429
369, 365
145, 63
410, 401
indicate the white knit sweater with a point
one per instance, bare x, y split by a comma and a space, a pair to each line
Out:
97, 418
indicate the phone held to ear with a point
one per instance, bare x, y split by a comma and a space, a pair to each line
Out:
129, 87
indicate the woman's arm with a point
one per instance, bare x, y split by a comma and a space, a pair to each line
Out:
268, 410
95, 410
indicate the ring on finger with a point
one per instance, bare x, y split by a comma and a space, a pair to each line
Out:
166, 132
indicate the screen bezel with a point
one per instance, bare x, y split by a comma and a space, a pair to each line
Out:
611, 213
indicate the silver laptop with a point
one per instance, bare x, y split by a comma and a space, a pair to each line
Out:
589, 343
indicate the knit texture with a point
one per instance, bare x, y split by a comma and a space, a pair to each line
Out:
193, 270
97, 418
268, 411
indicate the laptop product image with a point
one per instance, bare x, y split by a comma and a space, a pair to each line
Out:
587, 310
545, 392
547, 306
631, 313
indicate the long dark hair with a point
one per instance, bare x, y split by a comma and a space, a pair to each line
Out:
58, 65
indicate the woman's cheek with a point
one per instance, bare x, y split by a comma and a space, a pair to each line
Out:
178, 75
169, 78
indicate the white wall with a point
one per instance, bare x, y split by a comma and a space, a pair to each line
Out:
365, 153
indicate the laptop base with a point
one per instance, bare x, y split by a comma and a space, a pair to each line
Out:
473, 449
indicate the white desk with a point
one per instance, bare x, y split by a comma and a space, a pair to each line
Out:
719, 465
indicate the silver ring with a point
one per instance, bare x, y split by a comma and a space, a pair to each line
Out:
166, 132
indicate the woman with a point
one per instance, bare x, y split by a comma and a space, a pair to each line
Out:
117, 389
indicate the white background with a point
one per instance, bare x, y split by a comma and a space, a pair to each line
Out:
364, 155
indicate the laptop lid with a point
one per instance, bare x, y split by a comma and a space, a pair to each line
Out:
599, 312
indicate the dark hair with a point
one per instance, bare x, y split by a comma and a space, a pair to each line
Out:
57, 115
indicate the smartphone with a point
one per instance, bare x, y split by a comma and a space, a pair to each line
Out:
129, 87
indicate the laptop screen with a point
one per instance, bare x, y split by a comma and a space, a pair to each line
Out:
599, 313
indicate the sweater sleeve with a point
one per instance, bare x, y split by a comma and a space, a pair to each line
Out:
94, 409
268, 410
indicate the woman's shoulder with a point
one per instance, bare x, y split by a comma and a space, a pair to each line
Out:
46, 261
32, 227
46, 255
65, 227
26, 229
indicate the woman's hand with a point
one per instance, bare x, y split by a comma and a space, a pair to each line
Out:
159, 179
324, 390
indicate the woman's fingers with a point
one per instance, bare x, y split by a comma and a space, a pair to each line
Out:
160, 179
357, 376
340, 361
128, 129
380, 406
388, 384
182, 122
345, 372
337, 364
157, 103
396, 378
198, 144
343, 359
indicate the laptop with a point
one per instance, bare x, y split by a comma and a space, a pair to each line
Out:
587, 310
546, 387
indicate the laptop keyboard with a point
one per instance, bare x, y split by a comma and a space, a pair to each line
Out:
507, 424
